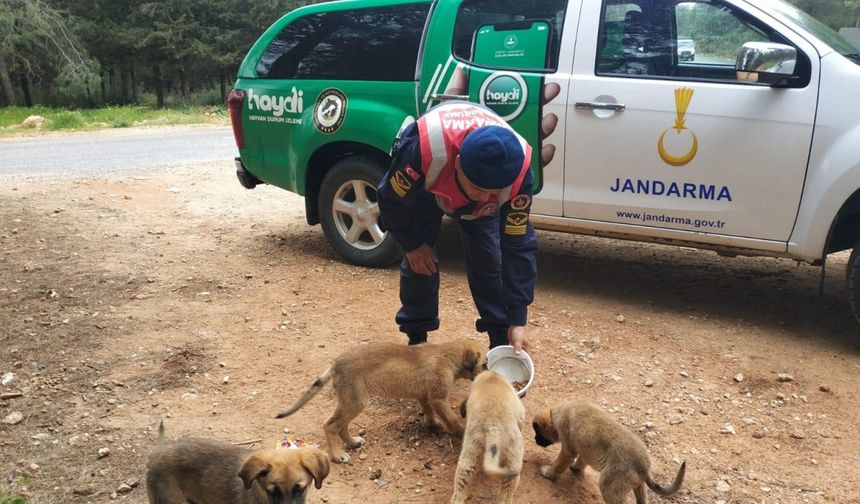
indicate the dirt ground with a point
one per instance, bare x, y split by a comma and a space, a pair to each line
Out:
178, 295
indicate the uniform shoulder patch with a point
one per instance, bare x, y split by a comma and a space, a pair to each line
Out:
521, 202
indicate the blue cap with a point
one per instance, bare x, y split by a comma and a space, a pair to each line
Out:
491, 157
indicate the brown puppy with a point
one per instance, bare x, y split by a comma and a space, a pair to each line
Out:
422, 372
493, 437
208, 472
593, 438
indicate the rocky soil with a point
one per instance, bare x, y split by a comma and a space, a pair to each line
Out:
180, 296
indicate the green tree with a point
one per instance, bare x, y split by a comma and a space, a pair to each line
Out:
835, 13
854, 6
103, 28
36, 39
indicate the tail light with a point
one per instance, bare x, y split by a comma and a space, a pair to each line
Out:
235, 102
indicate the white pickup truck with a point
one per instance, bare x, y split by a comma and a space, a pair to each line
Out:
752, 147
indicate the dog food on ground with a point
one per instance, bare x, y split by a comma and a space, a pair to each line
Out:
287, 443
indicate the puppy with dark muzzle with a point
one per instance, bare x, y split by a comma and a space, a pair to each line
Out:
208, 472
590, 437
425, 373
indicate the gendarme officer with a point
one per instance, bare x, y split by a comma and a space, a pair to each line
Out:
462, 160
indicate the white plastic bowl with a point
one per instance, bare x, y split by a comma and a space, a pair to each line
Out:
514, 367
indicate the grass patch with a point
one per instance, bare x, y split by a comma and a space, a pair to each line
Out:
58, 119
66, 120
12, 499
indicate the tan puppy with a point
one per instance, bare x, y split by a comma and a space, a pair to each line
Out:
208, 472
493, 437
425, 373
595, 439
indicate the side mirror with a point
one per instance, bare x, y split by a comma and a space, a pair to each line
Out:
766, 63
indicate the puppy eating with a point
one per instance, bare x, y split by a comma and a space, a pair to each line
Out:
425, 373
493, 437
208, 472
595, 439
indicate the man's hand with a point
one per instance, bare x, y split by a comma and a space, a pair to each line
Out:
423, 260
518, 339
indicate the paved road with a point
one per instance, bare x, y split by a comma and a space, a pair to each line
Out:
116, 151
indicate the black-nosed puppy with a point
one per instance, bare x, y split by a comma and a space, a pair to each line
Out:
593, 438
422, 372
208, 472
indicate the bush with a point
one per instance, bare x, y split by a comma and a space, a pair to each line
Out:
66, 120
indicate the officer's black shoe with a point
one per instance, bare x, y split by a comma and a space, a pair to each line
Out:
498, 338
417, 338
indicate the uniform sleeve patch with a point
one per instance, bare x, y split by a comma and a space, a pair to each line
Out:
516, 223
400, 184
521, 202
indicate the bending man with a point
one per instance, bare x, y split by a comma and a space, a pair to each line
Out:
462, 160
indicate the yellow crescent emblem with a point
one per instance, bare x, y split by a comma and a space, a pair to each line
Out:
683, 96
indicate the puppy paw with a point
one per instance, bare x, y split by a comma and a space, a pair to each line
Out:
458, 430
432, 425
340, 458
546, 472
356, 442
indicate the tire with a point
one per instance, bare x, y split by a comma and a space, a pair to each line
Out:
349, 213
852, 274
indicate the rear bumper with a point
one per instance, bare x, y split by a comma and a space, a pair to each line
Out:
246, 178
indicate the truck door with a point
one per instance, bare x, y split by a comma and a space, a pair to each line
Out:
503, 54
676, 143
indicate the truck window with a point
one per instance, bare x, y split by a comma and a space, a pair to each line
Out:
715, 31
475, 13
379, 44
686, 39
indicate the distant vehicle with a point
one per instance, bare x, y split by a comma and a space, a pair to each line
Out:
686, 50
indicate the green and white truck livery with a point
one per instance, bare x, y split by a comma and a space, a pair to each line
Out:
750, 148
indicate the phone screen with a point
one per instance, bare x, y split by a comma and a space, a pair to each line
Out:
521, 45
505, 77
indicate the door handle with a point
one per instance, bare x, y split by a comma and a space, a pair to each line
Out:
446, 97
617, 107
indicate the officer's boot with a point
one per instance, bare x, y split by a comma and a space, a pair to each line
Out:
417, 338
498, 338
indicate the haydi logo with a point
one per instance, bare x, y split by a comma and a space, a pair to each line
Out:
505, 93
497, 97
278, 105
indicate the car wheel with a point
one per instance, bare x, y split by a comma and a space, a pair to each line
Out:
852, 274
349, 213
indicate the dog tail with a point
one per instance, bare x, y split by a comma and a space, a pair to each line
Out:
492, 466
308, 395
667, 491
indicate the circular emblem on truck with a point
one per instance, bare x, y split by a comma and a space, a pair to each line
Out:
511, 42
330, 110
504, 93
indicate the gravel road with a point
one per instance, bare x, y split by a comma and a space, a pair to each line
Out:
116, 151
